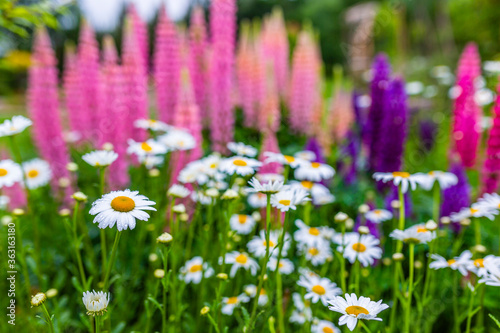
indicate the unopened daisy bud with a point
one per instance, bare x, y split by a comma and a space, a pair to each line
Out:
395, 204
465, 222
363, 230
107, 146
179, 209
349, 224
159, 273
64, 212
154, 173
340, 217
64, 182
184, 217
398, 257
229, 247
418, 264
386, 261
153, 257
38, 299
431, 225
95, 302
240, 181
272, 320
445, 220
222, 276
205, 310
6, 220
479, 248
364, 208
164, 238
237, 238
178, 191
265, 277
256, 216
52, 292
230, 194
79, 196
212, 192
18, 212
72, 167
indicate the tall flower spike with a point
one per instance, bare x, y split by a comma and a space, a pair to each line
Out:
245, 58
458, 196
197, 47
269, 116
341, 115
491, 168
166, 62
270, 143
73, 98
378, 91
469, 63
43, 108
140, 29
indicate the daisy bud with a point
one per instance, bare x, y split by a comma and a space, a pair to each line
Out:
386, 261
205, 310
95, 302
159, 273
18, 212
365, 272
72, 167
445, 220
38, 299
398, 257
6, 220
64, 212
64, 182
164, 238
153, 257
363, 230
364, 208
107, 146
51, 293
340, 217
465, 222
222, 276
212, 193
395, 204
240, 181
229, 246
479, 248
79, 196
256, 216
154, 173
184, 217
265, 277
418, 264
237, 238
179, 209
349, 224
431, 225
230, 195
271, 321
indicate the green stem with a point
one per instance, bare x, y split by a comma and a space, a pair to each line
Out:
436, 202
279, 287
362, 324
212, 321
477, 231
342, 260
410, 288
49, 319
165, 289
469, 312
111, 260
401, 225
395, 287
97, 324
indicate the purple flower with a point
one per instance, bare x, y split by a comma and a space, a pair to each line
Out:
427, 132
458, 196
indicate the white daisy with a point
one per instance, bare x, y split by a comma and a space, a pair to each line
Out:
242, 224
153, 125
122, 208
416, 234
289, 199
305, 155
398, 177
4, 202
178, 140
192, 271
324, 326
286, 265
178, 191
363, 248
241, 149
251, 290
210, 164
308, 235
257, 200
242, 166
194, 172
241, 260
202, 198
475, 211
100, 158
427, 180
354, 309
230, 303
322, 198
149, 147
37, 173
14, 126
257, 246
293, 162
378, 215
151, 161
483, 266
489, 201
458, 263
10, 173
302, 312
95, 302
317, 254
314, 171
491, 280
319, 289
271, 187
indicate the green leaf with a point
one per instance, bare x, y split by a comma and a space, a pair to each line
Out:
155, 302
246, 316
495, 320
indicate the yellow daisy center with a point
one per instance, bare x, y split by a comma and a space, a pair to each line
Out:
32, 173
313, 251
289, 159
240, 163
356, 310
232, 300
474, 211
421, 229
241, 259
146, 147
271, 244
451, 261
320, 290
307, 184
314, 231
359, 247
195, 268
285, 202
242, 219
315, 165
327, 330
123, 204
262, 292
3, 172
401, 174
479, 263
213, 166
377, 212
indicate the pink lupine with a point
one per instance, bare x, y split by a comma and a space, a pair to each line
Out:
269, 143
73, 98
491, 168
166, 63
198, 69
113, 126
304, 83
245, 59
269, 116
223, 34
140, 29
341, 115
469, 63
43, 107
263, 87
88, 73
17, 196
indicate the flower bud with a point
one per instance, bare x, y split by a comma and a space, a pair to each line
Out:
159, 273
364, 208
205, 310
153, 173
363, 230
72, 167
431, 225
179, 209
395, 204
64, 212
79, 196
18, 212
164, 238
398, 257
222, 276
445, 220
340, 217
38, 299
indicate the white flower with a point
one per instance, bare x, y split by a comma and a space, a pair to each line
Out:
100, 158
474, 211
285, 266
489, 201
427, 180
14, 126
257, 246
251, 290
484, 96
230, 303
178, 139
122, 208
178, 191
354, 309
491, 280
399, 177
200, 197
194, 172
317, 253
153, 125
37, 173
257, 200
192, 271
289, 199
95, 302
484, 266
241, 149
324, 326
459, 262
305, 155
378, 215
151, 161
302, 312
4, 202
149, 147
10, 173
242, 166
283, 159
241, 259
492, 66
319, 289
308, 235
242, 224
416, 234
361, 247
414, 88
314, 171
266, 188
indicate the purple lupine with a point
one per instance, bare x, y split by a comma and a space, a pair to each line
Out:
427, 130
197, 46
313, 145
378, 92
349, 152
458, 196
223, 37
491, 168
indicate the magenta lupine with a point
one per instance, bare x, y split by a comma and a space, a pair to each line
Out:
269, 143
73, 98
269, 116
304, 83
140, 29
88, 76
469, 63
245, 59
17, 196
491, 168
43, 108
223, 37
197, 52
166, 67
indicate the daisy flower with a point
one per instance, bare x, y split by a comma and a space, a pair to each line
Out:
378, 215
257, 200
149, 147
474, 211
122, 208
95, 302
305, 155
458, 263
416, 234
319, 289
270, 187
361, 247
230, 303
10, 173
293, 162
199, 196
289, 199
483, 266
314, 171
178, 140
100, 158
150, 161
491, 280
241, 260
38, 299
402, 178
251, 290
257, 246
316, 254
321, 199
242, 224
193, 172
306, 234
178, 191
192, 271
242, 166
37, 173
324, 326
427, 180
14, 126
285, 266
152, 125
241, 149
302, 312
489, 201
353, 309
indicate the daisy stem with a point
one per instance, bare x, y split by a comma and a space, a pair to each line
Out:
102, 232
469, 311
477, 231
436, 202
49, 319
77, 246
264, 265
212, 321
97, 324
111, 260
342, 261
395, 285
401, 225
362, 324
428, 272
165, 289
357, 275
410, 287
279, 291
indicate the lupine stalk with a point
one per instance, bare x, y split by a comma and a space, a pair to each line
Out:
491, 168
269, 143
341, 115
197, 52
458, 196
73, 98
140, 29
269, 111
244, 66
